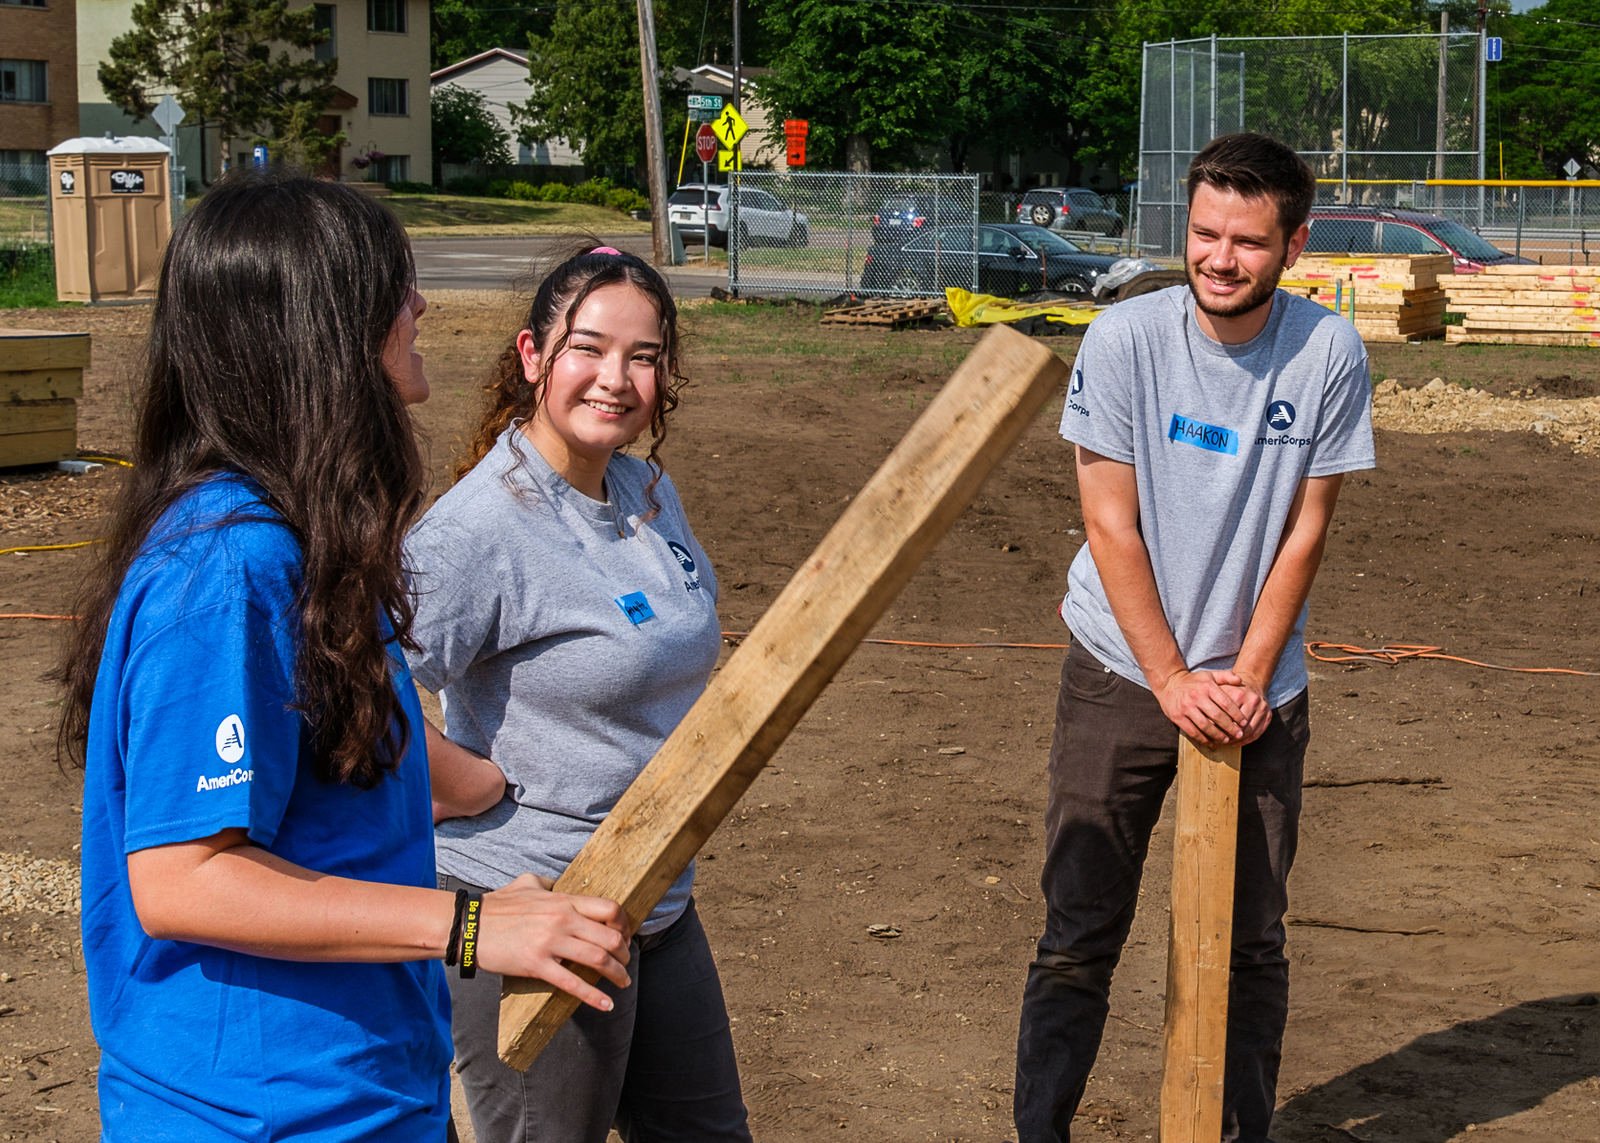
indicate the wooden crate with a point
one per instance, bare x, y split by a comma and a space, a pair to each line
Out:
41, 377
1528, 305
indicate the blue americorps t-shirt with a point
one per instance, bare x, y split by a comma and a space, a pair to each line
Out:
193, 732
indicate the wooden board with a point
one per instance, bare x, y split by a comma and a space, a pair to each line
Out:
1199, 950
1458, 335
44, 447
22, 349
757, 697
40, 384
37, 417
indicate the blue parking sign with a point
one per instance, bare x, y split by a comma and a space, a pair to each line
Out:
1493, 49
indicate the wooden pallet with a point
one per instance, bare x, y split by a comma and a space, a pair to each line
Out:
890, 314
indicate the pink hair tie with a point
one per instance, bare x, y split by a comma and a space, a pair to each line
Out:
606, 250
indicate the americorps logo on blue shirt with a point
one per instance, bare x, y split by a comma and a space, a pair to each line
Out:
230, 748
1212, 438
1280, 418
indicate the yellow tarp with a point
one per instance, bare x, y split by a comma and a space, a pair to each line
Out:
986, 309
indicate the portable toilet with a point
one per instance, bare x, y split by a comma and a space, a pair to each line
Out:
110, 205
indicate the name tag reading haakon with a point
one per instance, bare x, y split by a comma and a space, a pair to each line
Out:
1212, 438
635, 606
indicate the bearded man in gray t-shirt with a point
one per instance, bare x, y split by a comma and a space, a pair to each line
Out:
1213, 426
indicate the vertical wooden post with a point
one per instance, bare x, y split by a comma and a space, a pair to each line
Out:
1203, 853
768, 683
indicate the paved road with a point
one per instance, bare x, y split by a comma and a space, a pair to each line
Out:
498, 263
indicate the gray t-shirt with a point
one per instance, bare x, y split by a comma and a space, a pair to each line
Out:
568, 638
1220, 437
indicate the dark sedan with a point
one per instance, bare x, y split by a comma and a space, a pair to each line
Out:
1010, 259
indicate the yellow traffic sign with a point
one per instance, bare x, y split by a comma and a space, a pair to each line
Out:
730, 127
730, 160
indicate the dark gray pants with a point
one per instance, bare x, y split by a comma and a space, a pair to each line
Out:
1113, 756
660, 1066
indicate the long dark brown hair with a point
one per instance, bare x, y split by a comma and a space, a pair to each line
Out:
512, 397
265, 358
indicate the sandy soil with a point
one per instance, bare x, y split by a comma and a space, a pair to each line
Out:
1444, 914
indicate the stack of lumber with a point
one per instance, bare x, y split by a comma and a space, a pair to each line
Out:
41, 377
1528, 305
1390, 298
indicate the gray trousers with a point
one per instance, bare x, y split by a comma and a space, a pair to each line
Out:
659, 1067
1112, 758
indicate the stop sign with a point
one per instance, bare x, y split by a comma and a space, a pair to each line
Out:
705, 143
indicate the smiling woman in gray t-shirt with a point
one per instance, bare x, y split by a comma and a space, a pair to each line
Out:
567, 617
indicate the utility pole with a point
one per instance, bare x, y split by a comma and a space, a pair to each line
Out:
654, 142
738, 60
1438, 129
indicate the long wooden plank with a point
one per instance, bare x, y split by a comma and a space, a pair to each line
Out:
1203, 851
773, 677
44, 447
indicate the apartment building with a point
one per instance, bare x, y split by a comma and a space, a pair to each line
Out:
38, 98
381, 102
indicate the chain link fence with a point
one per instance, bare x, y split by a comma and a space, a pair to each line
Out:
25, 241
1358, 108
829, 233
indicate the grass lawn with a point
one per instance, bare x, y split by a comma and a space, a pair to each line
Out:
435, 214
27, 278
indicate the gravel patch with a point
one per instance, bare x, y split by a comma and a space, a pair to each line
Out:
1439, 407
38, 885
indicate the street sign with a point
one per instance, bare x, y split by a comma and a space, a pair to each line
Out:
1572, 168
706, 102
168, 114
731, 127
702, 115
1493, 49
729, 161
794, 137
705, 143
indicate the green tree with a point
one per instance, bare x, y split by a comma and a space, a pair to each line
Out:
465, 129
586, 87
463, 28
243, 66
1544, 106
875, 80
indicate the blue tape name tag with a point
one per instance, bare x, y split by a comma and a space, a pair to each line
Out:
635, 606
1212, 438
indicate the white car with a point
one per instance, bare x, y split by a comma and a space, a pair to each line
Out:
700, 210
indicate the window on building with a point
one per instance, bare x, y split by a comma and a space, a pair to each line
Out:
386, 15
324, 21
23, 3
387, 97
23, 81
392, 169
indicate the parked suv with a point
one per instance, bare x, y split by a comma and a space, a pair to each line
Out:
763, 218
1069, 208
1374, 230
903, 215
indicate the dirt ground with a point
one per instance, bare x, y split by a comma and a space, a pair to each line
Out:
1444, 919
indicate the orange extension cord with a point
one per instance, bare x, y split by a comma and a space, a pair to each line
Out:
1391, 653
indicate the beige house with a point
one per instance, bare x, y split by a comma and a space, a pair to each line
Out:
38, 88
501, 77
381, 105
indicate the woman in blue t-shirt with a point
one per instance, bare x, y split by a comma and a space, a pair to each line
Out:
262, 926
